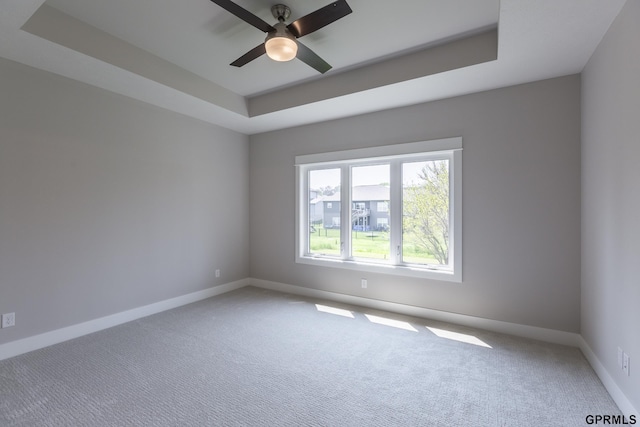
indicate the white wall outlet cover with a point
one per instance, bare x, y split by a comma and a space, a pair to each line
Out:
625, 363
8, 319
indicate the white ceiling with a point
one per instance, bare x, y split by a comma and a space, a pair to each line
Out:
175, 54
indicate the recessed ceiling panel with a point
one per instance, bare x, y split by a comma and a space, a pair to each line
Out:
176, 54
201, 37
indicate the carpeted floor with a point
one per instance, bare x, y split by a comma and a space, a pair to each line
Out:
254, 357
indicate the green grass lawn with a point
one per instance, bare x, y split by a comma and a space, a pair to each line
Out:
365, 244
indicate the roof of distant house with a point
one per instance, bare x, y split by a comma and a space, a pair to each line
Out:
362, 193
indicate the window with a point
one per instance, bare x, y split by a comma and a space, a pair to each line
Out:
403, 209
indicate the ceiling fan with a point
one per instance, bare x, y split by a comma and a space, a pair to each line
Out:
281, 43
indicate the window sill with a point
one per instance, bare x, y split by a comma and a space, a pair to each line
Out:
394, 270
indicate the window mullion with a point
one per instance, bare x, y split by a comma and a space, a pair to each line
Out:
345, 212
395, 206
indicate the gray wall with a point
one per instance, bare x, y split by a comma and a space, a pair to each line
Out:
611, 199
108, 204
521, 213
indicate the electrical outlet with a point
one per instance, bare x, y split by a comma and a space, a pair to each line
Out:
625, 363
8, 319
363, 283
619, 358
218, 272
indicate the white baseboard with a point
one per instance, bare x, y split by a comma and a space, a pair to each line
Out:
616, 394
25, 345
525, 331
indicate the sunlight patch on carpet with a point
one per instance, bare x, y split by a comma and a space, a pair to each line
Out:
456, 336
334, 310
391, 322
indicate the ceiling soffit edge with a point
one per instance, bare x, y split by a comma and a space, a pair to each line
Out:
452, 55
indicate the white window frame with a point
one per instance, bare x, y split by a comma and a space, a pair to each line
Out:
450, 148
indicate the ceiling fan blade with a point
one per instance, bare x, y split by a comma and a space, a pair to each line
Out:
320, 18
254, 53
310, 58
244, 14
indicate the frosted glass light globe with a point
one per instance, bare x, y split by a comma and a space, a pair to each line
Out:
281, 48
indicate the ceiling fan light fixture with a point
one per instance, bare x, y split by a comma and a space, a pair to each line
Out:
281, 45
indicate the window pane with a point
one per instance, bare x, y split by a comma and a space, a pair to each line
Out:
425, 205
324, 212
370, 212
